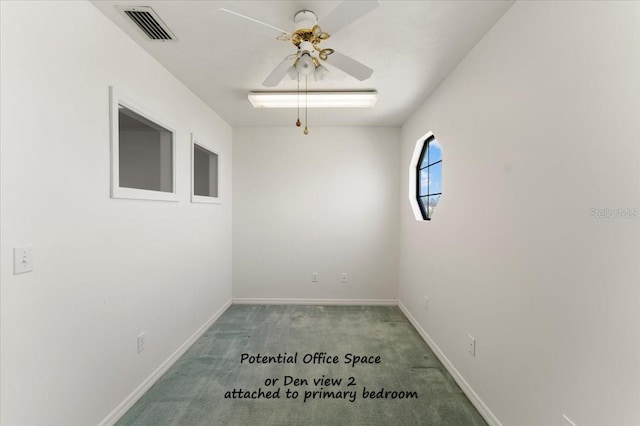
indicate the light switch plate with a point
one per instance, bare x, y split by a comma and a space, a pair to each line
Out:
472, 345
22, 260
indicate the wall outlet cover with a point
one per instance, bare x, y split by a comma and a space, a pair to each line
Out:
141, 341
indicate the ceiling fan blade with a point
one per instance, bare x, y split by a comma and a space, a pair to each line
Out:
263, 27
345, 13
279, 72
350, 66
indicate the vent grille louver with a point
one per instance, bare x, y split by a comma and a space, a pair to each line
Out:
150, 23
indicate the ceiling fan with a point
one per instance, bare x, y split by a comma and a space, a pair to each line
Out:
308, 35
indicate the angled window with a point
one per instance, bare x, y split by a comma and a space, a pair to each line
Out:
429, 175
205, 175
425, 184
143, 153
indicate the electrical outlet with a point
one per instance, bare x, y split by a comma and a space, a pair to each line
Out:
141, 341
22, 260
314, 277
472, 345
343, 278
426, 303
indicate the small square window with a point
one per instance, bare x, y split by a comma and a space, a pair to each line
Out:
205, 173
143, 153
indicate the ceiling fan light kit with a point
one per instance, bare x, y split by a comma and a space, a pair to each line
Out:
321, 72
305, 65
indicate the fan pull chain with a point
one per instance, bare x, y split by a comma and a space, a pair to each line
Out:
298, 123
306, 108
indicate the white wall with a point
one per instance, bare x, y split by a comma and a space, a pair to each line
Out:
105, 269
324, 203
539, 125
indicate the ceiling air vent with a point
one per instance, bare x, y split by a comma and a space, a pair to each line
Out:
149, 22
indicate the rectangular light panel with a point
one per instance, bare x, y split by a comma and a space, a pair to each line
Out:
360, 99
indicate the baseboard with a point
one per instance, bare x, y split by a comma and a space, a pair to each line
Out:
482, 408
267, 301
130, 400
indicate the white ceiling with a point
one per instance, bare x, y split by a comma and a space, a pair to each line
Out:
411, 45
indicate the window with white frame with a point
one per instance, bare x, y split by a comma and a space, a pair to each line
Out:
425, 179
204, 172
143, 153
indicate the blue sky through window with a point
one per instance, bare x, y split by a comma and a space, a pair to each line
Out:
435, 179
430, 177
435, 152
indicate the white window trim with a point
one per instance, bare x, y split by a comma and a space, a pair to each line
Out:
195, 140
413, 170
117, 98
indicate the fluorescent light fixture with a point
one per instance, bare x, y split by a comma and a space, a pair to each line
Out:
358, 99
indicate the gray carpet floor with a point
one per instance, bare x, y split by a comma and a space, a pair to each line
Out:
213, 384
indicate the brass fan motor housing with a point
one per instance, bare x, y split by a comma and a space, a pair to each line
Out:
314, 36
